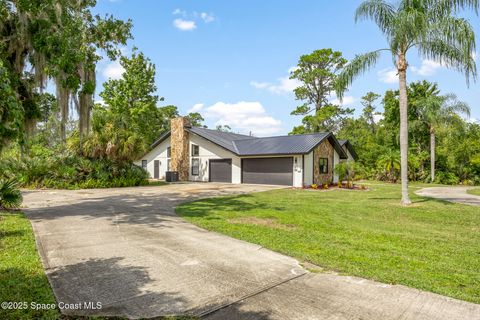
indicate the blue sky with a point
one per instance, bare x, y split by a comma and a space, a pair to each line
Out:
230, 60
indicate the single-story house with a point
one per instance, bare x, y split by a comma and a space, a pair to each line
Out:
200, 154
349, 150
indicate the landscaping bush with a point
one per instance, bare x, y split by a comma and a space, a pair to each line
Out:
45, 168
446, 178
10, 196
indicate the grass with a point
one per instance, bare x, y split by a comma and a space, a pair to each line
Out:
152, 183
22, 278
431, 245
474, 191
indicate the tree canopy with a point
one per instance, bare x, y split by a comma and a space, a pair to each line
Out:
317, 72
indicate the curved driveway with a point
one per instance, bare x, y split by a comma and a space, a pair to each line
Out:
452, 194
126, 249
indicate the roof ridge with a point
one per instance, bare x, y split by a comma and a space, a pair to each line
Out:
289, 135
219, 131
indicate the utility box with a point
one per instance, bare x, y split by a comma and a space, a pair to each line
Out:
171, 176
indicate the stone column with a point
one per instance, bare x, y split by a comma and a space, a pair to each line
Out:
180, 160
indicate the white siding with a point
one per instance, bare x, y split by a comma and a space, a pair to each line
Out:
336, 160
158, 153
308, 160
209, 150
297, 172
350, 157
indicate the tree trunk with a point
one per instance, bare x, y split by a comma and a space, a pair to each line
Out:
30, 125
84, 115
63, 95
432, 154
402, 75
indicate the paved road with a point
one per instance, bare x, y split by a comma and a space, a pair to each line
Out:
127, 249
452, 194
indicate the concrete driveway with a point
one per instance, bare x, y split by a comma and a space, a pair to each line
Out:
452, 194
126, 249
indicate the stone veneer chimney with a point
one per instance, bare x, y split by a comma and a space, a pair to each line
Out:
179, 159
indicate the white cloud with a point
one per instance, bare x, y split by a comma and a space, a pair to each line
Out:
188, 21
184, 25
378, 117
427, 68
260, 85
282, 86
473, 120
179, 12
243, 116
291, 69
207, 18
346, 101
388, 75
196, 108
113, 70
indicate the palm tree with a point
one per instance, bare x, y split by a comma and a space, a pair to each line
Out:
390, 162
437, 110
431, 27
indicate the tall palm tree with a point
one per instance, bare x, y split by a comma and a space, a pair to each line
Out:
431, 27
437, 110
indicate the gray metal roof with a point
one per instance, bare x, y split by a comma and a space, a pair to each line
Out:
296, 144
244, 145
350, 148
223, 139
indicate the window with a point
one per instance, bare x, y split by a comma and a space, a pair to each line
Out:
195, 150
169, 152
323, 165
144, 164
168, 165
195, 166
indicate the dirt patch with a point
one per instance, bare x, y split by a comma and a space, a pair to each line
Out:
266, 222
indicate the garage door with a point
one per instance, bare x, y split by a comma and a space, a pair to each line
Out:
268, 171
220, 170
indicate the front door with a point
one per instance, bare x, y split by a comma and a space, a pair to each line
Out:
156, 169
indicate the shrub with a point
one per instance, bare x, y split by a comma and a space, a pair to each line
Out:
10, 195
446, 178
62, 170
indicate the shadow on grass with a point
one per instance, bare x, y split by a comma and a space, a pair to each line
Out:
14, 233
234, 204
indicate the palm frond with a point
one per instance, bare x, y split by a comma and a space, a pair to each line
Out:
450, 55
453, 105
360, 64
410, 26
10, 195
446, 7
454, 31
380, 11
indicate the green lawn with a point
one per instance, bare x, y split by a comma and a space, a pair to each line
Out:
474, 191
22, 278
431, 245
153, 183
